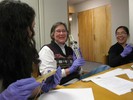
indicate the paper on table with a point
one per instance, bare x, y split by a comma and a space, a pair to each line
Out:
111, 73
68, 94
118, 71
116, 85
129, 73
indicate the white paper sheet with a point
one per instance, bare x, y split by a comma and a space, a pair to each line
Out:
117, 85
112, 73
129, 73
68, 94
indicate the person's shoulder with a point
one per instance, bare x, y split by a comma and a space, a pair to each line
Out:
115, 48
116, 45
44, 47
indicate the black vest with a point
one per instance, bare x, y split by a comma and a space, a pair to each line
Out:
64, 61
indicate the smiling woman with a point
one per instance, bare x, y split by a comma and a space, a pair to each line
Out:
57, 53
121, 52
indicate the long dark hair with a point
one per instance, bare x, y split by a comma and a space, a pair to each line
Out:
17, 47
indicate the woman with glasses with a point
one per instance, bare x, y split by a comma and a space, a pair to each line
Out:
121, 52
57, 53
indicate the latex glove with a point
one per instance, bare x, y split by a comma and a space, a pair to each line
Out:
74, 55
76, 64
52, 81
127, 50
19, 90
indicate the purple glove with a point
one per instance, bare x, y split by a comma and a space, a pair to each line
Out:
76, 64
19, 90
79, 52
127, 50
52, 81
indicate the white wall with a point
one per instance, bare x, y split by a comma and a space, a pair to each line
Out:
47, 13
120, 14
131, 20
54, 10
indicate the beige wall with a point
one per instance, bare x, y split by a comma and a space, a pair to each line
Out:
120, 15
131, 20
47, 13
54, 10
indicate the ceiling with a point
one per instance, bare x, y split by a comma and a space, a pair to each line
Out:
72, 2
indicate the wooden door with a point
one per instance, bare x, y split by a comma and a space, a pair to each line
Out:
85, 19
95, 33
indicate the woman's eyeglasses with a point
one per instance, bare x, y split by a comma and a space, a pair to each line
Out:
59, 31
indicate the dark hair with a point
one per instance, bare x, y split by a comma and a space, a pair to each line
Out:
55, 26
123, 27
17, 47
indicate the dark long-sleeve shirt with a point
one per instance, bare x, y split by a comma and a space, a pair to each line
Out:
114, 57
